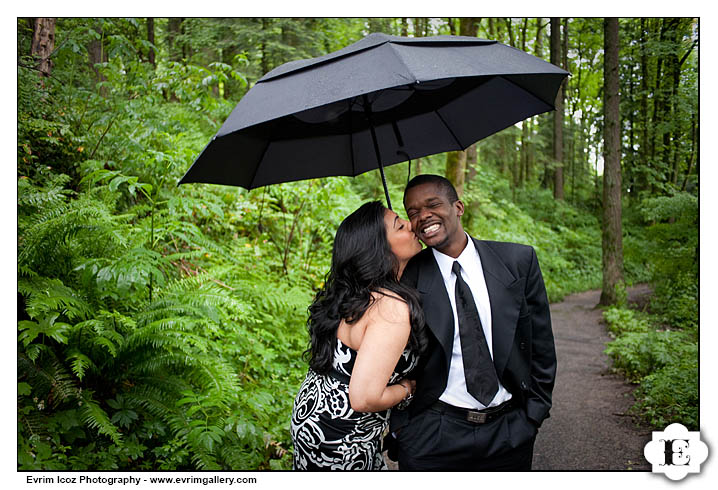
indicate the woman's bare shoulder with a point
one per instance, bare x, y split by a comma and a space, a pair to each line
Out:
389, 306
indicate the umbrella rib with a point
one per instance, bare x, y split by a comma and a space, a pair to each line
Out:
406, 67
256, 170
449, 129
351, 137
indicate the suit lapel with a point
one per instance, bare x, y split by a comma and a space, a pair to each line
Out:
436, 304
505, 295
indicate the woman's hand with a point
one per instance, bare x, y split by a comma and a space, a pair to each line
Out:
409, 384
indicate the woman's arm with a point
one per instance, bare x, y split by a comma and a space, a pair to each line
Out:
384, 340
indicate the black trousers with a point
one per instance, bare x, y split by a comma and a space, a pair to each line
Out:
436, 441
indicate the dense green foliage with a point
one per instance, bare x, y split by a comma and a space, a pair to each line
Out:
162, 327
660, 350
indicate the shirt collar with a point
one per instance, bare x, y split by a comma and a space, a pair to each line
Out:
466, 258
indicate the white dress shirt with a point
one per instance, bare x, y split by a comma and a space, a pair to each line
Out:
473, 274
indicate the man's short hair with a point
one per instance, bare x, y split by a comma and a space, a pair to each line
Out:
446, 187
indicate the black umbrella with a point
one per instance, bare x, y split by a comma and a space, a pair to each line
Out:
379, 101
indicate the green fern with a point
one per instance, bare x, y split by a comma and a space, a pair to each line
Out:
96, 418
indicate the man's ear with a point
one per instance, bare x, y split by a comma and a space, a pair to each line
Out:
459, 208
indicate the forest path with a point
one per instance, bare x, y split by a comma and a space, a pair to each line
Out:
588, 428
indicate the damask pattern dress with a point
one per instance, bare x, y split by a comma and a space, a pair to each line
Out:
326, 432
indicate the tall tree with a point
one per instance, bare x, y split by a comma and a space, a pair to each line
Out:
452, 26
97, 53
43, 43
420, 26
151, 40
176, 39
677, 59
644, 116
455, 169
538, 47
558, 113
612, 243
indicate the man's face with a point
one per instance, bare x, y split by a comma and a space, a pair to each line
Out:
434, 219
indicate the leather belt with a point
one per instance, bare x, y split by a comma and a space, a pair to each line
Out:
474, 416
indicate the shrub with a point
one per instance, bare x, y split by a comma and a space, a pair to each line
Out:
663, 362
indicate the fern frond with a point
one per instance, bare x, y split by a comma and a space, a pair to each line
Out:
42, 197
152, 334
34, 423
79, 362
44, 295
64, 386
96, 418
48, 377
97, 334
157, 401
48, 235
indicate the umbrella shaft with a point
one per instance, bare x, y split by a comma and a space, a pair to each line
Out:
367, 109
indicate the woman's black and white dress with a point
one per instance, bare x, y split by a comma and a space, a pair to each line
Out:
326, 432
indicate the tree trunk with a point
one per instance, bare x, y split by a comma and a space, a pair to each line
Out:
671, 61
404, 27
472, 164
43, 43
691, 157
471, 161
631, 153
510, 29
515, 170
675, 133
456, 169
97, 54
612, 243
538, 47
558, 113
658, 108
644, 155
151, 40
263, 48
420, 24
175, 42
469, 26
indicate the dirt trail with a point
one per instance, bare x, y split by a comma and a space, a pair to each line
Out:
588, 428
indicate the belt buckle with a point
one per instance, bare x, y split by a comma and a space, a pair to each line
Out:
476, 417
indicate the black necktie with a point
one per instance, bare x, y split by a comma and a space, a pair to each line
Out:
479, 371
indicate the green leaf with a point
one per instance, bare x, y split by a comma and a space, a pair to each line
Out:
23, 389
79, 362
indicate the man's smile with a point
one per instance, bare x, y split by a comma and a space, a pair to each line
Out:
430, 230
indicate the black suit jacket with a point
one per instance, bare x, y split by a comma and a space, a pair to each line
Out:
523, 345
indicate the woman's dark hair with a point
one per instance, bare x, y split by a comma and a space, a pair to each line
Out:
362, 264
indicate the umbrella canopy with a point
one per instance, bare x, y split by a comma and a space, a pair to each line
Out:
376, 102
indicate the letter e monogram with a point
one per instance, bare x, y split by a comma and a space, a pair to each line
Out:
679, 449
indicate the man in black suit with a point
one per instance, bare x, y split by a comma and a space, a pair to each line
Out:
484, 385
